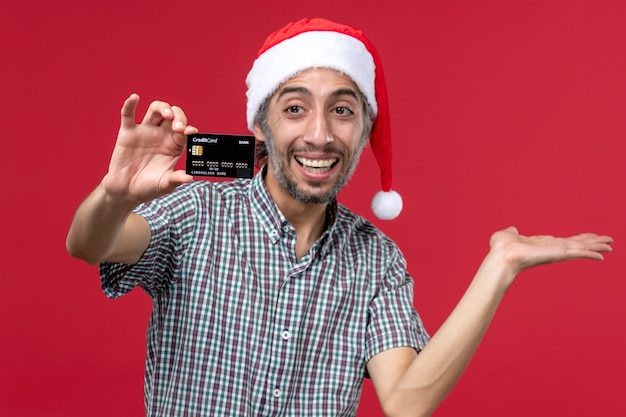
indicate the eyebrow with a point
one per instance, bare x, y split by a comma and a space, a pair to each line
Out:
288, 90
302, 90
345, 92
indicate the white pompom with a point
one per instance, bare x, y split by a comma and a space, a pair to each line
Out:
387, 205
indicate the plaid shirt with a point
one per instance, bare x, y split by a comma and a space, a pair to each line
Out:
241, 327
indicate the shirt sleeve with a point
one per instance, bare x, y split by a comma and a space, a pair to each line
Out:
170, 219
394, 322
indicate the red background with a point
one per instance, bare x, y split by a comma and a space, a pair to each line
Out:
503, 113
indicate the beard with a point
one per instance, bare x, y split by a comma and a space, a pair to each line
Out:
280, 161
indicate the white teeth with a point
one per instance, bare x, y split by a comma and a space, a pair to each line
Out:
316, 163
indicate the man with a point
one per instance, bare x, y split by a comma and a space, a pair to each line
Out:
269, 297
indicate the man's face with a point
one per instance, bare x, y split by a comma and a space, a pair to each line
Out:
314, 135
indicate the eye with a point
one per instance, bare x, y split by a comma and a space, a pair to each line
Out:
344, 111
294, 109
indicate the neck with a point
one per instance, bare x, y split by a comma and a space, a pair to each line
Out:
309, 220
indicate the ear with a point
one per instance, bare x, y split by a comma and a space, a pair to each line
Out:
258, 132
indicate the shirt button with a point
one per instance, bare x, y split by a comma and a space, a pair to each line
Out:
277, 392
285, 334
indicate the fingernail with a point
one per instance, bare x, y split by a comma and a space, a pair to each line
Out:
179, 125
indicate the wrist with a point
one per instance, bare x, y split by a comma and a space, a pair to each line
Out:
115, 202
499, 268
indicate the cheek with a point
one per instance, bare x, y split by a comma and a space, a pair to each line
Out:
286, 130
351, 134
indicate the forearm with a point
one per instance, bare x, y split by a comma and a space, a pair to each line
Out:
97, 229
410, 384
437, 368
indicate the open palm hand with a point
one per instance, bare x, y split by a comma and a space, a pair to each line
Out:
523, 252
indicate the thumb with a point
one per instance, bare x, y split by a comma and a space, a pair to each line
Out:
173, 179
502, 236
512, 229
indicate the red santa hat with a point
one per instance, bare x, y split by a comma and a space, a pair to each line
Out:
320, 43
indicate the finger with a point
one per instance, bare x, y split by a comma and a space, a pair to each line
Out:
606, 239
190, 130
128, 111
595, 237
600, 247
157, 112
590, 250
594, 256
180, 119
585, 236
594, 242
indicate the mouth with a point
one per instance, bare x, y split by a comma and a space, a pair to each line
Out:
317, 166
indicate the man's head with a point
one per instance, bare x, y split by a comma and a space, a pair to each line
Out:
321, 44
261, 120
314, 128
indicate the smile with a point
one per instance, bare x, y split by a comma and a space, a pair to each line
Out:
316, 166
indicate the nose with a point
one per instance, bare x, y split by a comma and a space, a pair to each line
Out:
317, 130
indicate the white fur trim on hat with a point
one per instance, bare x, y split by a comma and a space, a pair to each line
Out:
316, 49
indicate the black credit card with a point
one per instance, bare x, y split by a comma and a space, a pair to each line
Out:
219, 155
